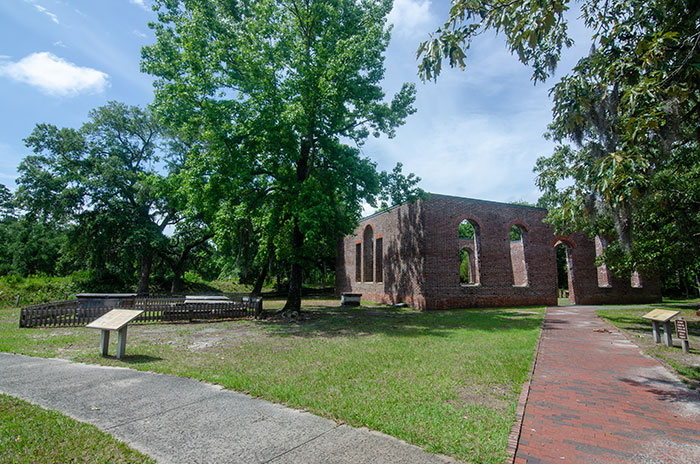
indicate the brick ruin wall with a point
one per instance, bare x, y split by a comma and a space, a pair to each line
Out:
419, 261
401, 232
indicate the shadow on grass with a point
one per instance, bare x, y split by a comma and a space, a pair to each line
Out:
139, 359
400, 322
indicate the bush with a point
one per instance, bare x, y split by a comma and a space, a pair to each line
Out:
36, 289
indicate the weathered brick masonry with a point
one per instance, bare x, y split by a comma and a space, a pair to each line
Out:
411, 254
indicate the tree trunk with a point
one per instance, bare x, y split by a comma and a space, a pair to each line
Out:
257, 288
145, 277
622, 220
176, 285
179, 263
294, 296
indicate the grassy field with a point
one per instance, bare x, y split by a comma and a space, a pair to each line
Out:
639, 331
447, 381
30, 434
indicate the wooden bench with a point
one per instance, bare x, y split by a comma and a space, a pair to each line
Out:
350, 299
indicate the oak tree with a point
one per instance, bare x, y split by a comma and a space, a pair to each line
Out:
278, 94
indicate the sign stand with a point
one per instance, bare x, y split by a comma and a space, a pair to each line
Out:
682, 333
117, 319
665, 316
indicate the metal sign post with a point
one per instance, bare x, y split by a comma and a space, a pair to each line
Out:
682, 333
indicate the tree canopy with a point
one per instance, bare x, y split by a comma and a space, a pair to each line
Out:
114, 182
276, 96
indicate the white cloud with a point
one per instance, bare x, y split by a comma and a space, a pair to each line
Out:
54, 75
59, 43
141, 3
42, 9
138, 33
53, 17
410, 16
476, 155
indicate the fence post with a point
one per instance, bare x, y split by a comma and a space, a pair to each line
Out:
17, 301
258, 308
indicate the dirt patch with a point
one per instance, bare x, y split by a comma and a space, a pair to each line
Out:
496, 397
203, 344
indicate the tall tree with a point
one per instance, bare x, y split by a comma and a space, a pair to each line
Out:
275, 89
27, 244
103, 179
7, 204
625, 119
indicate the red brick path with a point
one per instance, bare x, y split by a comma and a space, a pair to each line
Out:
595, 398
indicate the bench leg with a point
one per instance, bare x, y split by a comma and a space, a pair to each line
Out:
121, 343
104, 342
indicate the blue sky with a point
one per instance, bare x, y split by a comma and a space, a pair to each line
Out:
476, 133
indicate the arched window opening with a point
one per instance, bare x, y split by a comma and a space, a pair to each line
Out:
603, 272
368, 254
565, 276
469, 243
517, 255
379, 259
467, 272
636, 280
358, 262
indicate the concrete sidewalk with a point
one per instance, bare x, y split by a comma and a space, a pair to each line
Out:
178, 420
595, 398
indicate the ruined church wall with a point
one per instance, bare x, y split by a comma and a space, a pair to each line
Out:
401, 281
585, 279
420, 259
496, 285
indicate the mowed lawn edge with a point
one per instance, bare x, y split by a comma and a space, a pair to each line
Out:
447, 381
32, 434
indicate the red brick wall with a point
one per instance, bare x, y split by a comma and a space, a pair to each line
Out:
401, 230
517, 259
620, 290
421, 259
443, 290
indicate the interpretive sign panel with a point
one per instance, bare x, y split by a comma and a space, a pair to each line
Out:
115, 319
681, 329
661, 315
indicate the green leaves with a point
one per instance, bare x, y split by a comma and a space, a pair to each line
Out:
110, 183
535, 31
269, 93
630, 110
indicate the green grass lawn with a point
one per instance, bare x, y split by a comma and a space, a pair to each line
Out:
639, 330
447, 381
30, 434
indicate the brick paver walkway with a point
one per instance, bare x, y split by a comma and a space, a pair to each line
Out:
595, 398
